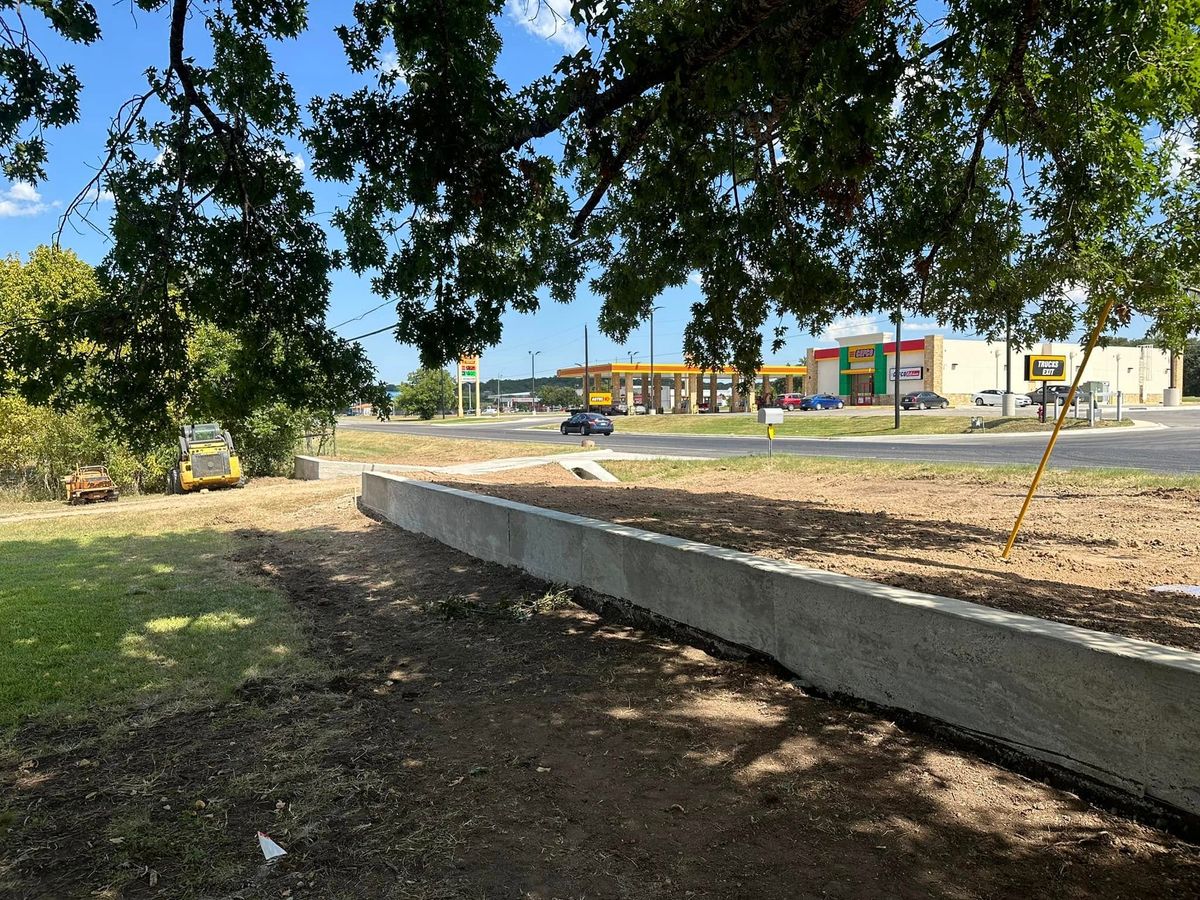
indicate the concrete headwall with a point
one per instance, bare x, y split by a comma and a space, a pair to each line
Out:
312, 468
1121, 712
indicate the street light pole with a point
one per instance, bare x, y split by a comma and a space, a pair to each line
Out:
653, 393
587, 375
533, 355
896, 379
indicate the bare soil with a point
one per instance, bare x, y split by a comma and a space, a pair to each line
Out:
1087, 557
474, 736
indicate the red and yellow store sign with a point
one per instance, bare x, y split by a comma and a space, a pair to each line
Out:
862, 353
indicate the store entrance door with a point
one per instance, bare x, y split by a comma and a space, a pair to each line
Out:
862, 389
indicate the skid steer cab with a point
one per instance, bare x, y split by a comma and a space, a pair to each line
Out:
207, 459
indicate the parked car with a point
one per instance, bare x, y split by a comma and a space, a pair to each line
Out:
587, 423
994, 397
790, 401
924, 400
821, 401
1048, 393
618, 409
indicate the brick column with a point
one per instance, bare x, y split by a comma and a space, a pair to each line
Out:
693, 400
712, 392
935, 359
627, 378
789, 384
677, 393
735, 395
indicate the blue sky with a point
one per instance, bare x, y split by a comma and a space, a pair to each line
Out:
112, 71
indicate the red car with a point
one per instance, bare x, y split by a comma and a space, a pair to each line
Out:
790, 401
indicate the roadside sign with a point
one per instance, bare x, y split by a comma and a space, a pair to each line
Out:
468, 368
600, 398
1045, 368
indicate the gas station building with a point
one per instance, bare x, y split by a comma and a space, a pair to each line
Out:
686, 388
861, 369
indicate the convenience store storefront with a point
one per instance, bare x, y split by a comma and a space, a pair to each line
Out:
863, 368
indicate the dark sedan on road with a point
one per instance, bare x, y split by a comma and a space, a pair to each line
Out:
924, 400
587, 423
821, 401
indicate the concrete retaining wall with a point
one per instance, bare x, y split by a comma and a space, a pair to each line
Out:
312, 468
1122, 712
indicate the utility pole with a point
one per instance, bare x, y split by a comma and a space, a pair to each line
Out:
1008, 359
587, 375
533, 355
653, 393
896, 380
497, 397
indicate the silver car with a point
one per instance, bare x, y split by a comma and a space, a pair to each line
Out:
992, 397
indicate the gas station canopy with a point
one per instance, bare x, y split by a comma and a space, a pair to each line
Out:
609, 369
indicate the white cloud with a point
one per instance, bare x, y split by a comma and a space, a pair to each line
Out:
694, 278
1076, 294
298, 162
549, 19
922, 327
851, 325
22, 199
1181, 150
390, 66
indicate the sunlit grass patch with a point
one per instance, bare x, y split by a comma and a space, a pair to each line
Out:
93, 613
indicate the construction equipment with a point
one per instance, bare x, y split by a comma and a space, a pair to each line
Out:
207, 459
90, 484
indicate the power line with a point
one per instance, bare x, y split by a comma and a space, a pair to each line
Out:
362, 316
376, 331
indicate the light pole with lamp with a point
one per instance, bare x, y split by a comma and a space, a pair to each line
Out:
496, 399
1118, 373
653, 392
533, 355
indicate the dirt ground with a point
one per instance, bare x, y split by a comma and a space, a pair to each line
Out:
1087, 557
475, 735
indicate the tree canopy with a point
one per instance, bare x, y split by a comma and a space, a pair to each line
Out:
994, 166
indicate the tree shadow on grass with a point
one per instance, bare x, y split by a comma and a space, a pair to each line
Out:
101, 619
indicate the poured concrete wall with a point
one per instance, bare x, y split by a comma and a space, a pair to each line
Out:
312, 468
1122, 712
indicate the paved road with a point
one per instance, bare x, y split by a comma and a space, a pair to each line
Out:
1172, 449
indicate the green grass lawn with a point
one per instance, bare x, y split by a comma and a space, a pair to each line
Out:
408, 449
660, 470
94, 613
818, 425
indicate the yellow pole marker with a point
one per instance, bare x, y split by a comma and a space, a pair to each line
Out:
1062, 417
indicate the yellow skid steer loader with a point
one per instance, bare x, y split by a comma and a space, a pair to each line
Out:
207, 459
